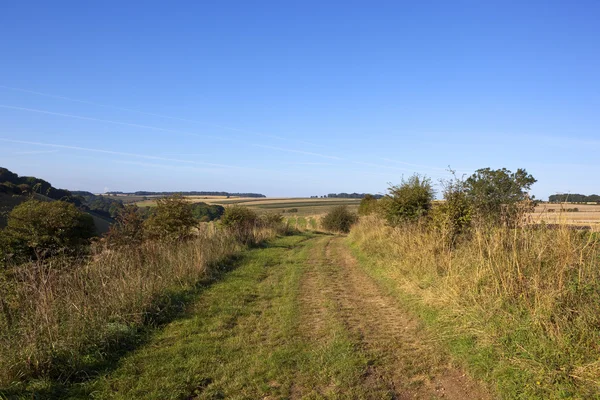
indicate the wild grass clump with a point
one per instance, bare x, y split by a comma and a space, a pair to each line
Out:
527, 297
61, 317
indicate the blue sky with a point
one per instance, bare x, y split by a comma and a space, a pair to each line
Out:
298, 98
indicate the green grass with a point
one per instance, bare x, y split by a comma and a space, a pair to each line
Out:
240, 339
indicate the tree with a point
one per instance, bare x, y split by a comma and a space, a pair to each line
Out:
43, 229
408, 201
172, 219
496, 194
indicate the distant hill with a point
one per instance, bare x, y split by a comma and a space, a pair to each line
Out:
193, 193
15, 189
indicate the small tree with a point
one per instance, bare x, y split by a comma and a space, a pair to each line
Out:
408, 201
497, 195
43, 229
339, 219
367, 205
172, 219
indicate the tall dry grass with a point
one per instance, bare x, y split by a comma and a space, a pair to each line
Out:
531, 294
60, 317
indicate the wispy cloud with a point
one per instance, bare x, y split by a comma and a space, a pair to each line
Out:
165, 166
119, 153
35, 110
219, 126
308, 153
35, 152
311, 163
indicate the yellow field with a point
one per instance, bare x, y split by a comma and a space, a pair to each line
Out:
586, 214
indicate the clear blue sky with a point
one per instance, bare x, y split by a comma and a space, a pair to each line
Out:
298, 98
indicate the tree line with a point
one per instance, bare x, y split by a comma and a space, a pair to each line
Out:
573, 198
190, 193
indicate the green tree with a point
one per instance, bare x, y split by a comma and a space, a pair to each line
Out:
43, 229
172, 219
496, 195
408, 201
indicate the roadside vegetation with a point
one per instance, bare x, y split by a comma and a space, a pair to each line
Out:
69, 301
518, 303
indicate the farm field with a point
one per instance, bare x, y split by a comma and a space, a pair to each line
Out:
585, 214
289, 206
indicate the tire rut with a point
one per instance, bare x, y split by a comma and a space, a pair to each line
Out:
404, 358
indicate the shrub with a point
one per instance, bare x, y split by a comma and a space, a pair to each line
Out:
207, 212
43, 229
172, 219
240, 221
272, 220
453, 216
367, 205
408, 201
128, 230
339, 219
239, 217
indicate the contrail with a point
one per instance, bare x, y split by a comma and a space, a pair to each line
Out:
298, 151
158, 115
119, 153
165, 130
107, 121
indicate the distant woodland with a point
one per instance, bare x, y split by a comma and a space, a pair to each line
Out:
573, 198
193, 193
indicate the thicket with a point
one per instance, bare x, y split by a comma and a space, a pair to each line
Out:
61, 316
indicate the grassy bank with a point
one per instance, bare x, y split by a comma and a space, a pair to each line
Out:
519, 306
61, 319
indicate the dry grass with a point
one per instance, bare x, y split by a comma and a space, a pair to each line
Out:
528, 298
62, 317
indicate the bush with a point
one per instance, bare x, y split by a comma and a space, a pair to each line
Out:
207, 212
409, 201
272, 220
128, 230
368, 205
453, 216
240, 221
237, 217
339, 219
172, 220
43, 229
